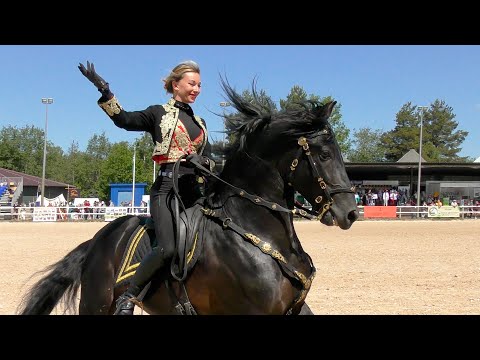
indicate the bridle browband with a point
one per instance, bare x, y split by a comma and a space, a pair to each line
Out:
305, 149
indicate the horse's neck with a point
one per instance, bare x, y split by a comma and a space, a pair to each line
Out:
269, 186
257, 180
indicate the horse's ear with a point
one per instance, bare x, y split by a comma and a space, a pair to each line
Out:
327, 109
323, 112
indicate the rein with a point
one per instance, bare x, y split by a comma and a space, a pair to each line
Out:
180, 246
257, 200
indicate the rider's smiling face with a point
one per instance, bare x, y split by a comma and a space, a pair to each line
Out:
188, 88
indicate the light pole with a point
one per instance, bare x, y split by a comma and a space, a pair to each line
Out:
224, 104
421, 109
45, 101
133, 177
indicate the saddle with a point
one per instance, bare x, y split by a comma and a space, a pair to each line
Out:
142, 240
189, 247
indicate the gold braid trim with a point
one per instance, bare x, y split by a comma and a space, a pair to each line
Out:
111, 107
306, 282
269, 250
128, 269
265, 247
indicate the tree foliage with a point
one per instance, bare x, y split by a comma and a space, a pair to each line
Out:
342, 133
144, 163
21, 149
367, 146
117, 168
440, 139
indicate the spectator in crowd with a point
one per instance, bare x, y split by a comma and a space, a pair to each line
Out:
385, 197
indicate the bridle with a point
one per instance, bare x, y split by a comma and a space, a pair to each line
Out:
319, 174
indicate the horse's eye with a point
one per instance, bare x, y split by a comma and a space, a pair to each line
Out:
324, 155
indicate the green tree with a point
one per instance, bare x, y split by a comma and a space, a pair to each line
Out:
261, 98
297, 95
72, 163
404, 136
143, 160
367, 146
440, 139
55, 165
443, 140
342, 133
21, 149
117, 168
98, 148
83, 175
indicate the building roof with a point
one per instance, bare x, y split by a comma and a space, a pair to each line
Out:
367, 171
30, 180
410, 157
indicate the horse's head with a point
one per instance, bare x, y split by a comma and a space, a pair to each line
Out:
298, 145
316, 169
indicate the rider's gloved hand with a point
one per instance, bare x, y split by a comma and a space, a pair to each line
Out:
199, 159
97, 80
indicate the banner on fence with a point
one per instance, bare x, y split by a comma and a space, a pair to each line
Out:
443, 211
380, 212
111, 213
45, 214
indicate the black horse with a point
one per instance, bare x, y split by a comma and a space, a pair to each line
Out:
241, 250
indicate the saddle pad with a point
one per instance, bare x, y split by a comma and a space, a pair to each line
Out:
142, 240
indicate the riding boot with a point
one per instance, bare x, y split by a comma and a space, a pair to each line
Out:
150, 264
125, 303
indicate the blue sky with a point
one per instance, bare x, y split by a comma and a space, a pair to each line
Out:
371, 82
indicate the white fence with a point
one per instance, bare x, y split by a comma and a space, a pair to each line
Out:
102, 213
68, 213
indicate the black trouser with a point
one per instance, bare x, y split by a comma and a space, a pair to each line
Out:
162, 208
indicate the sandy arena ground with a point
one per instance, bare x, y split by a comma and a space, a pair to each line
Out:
376, 267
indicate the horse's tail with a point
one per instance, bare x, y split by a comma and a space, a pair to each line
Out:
62, 281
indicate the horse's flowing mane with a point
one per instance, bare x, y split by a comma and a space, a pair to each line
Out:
281, 128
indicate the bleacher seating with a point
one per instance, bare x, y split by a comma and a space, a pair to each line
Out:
7, 191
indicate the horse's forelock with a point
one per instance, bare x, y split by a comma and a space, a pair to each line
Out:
305, 120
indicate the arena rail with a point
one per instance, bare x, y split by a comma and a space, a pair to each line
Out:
101, 213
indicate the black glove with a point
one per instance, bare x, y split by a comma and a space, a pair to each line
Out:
199, 159
96, 79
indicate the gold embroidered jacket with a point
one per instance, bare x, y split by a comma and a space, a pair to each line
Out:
161, 121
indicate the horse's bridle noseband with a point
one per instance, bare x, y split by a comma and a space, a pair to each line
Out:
305, 149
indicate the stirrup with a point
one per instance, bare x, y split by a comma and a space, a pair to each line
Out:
125, 304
